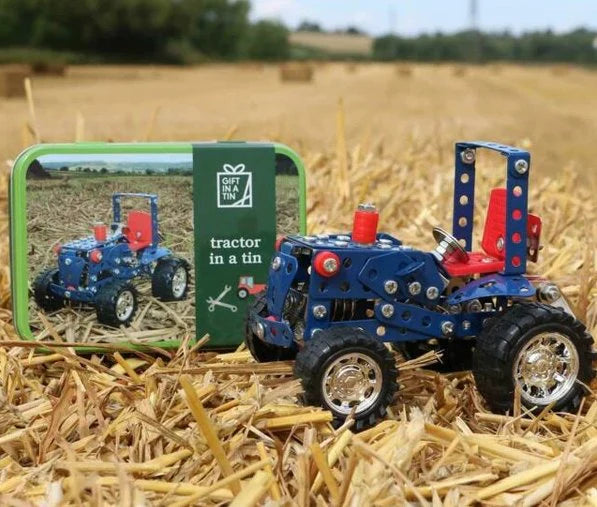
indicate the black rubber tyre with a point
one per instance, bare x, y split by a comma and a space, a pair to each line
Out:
504, 338
457, 355
324, 349
264, 352
165, 284
242, 293
107, 303
41, 291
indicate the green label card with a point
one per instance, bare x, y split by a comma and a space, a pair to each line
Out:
234, 200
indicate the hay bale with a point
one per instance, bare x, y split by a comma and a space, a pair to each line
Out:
459, 71
404, 70
297, 72
49, 68
11, 80
352, 68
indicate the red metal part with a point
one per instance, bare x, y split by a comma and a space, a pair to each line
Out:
100, 232
323, 261
478, 263
138, 229
95, 256
279, 241
364, 229
492, 259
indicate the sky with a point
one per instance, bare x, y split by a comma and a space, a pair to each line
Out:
412, 17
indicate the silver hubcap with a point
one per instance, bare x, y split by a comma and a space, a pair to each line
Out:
125, 305
179, 282
546, 368
352, 381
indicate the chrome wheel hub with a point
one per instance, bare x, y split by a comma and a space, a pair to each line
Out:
546, 368
179, 282
125, 305
352, 381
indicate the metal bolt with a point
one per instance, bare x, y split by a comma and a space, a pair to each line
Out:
387, 311
117, 260
67, 294
500, 244
455, 308
466, 325
366, 206
116, 271
414, 288
468, 156
390, 286
447, 328
68, 262
521, 166
319, 311
432, 292
315, 331
276, 263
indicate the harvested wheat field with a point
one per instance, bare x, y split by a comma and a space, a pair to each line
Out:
197, 427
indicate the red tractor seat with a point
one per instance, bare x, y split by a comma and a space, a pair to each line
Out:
492, 258
138, 230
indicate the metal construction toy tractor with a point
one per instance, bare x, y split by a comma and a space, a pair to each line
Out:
332, 300
98, 269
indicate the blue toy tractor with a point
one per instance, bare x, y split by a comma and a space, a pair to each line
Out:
99, 269
333, 300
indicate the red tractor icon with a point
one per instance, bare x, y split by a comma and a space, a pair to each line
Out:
247, 286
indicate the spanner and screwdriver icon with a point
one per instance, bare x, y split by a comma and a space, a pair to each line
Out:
218, 301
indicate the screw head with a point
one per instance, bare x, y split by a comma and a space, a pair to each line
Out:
390, 286
276, 263
330, 265
319, 311
468, 156
466, 325
67, 294
68, 262
432, 292
521, 166
414, 288
387, 310
447, 328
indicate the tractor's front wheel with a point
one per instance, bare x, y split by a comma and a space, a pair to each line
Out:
541, 349
42, 293
348, 372
170, 279
116, 303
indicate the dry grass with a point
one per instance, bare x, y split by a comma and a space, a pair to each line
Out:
196, 427
334, 43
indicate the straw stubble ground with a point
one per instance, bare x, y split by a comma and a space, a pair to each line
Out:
201, 428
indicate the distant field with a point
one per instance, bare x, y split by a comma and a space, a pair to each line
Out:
334, 42
551, 109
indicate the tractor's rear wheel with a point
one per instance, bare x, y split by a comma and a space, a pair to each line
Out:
116, 303
540, 348
170, 279
264, 352
42, 293
346, 371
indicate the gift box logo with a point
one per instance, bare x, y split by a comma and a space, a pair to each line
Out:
235, 187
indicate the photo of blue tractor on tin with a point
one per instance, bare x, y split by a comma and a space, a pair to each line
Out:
333, 301
99, 270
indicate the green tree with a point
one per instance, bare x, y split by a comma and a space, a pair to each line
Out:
268, 40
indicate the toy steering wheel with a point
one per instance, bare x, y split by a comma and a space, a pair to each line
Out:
448, 245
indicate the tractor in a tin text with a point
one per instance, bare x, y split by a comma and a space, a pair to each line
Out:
333, 300
99, 269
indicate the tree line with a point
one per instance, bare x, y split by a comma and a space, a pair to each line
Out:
578, 46
191, 31
177, 31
